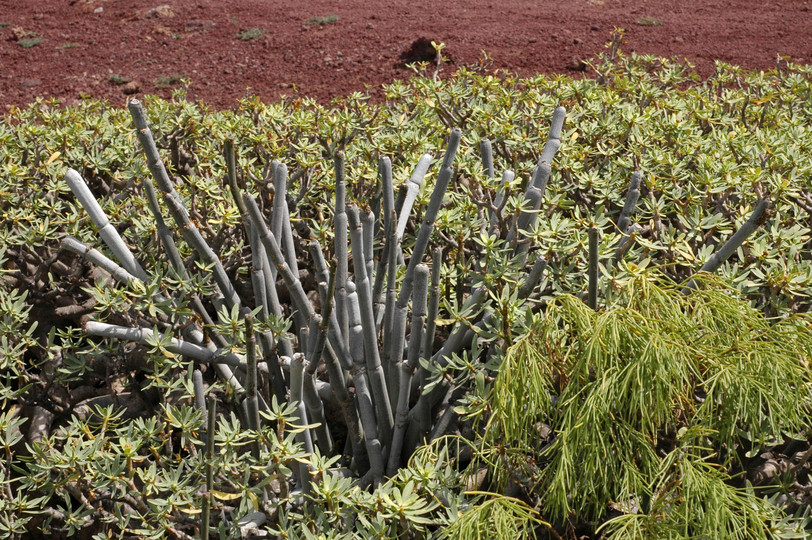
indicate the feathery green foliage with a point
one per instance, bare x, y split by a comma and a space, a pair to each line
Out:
601, 395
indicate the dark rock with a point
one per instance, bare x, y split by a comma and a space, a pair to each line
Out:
576, 64
130, 88
421, 50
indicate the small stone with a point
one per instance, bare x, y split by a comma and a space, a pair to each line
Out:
595, 28
576, 64
130, 88
162, 30
370, 26
18, 33
29, 83
160, 12
577, 41
678, 39
98, 10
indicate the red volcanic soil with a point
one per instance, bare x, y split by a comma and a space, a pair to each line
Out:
109, 48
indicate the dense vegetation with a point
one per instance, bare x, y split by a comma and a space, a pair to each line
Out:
616, 392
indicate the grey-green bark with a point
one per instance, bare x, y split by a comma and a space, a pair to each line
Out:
371, 353
408, 366
173, 345
340, 248
388, 213
420, 245
412, 186
176, 208
364, 396
722, 254
107, 232
592, 297
631, 202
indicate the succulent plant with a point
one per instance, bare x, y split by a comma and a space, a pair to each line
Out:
191, 317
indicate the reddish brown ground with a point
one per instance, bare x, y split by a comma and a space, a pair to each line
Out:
87, 44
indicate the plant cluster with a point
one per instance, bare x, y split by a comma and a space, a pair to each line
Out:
287, 292
359, 340
250, 34
654, 407
321, 20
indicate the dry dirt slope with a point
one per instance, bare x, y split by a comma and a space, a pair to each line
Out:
107, 48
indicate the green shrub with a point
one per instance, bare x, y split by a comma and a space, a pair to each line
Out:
251, 34
321, 20
649, 406
165, 81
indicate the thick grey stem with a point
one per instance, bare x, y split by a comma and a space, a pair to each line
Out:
231, 172
371, 353
177, 346
486, 150
364, 397
368, 227
94, 256
631, 202
420, 245
408, 366
592, 298
626, 243
554, 136
107, 232
304, 437
283, 212
533, 278
297, 293
251, 397
394, 254
154, 162
340, 248
757, 218
388, 196
179, 213
207, 497
313, 402
200, 390
319, 264
412, 189
541, 174
164, 234
433, 302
